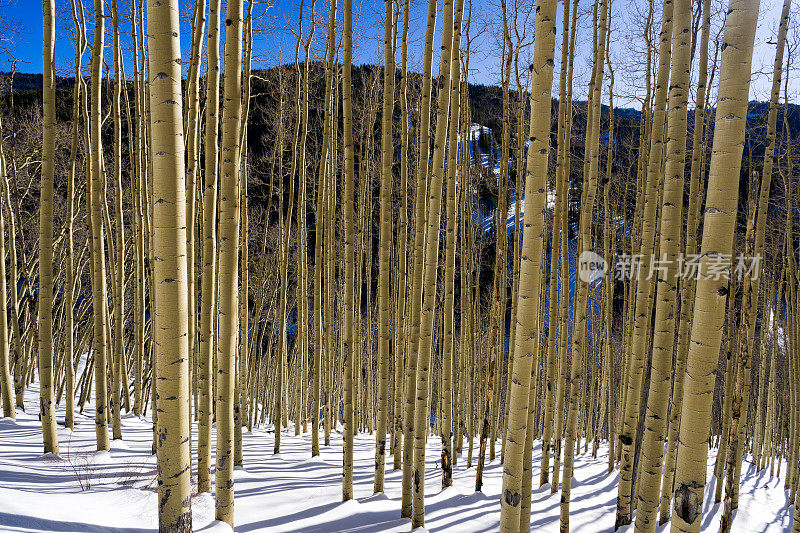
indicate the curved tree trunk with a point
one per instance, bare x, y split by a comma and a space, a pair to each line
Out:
719, 221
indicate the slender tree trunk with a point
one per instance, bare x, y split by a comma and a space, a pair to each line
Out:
45, 340
687, 285
208, 318
644, 284
6, 381
530, 285
170, 272
348, 335
430, 269
384, 251
416, 280
655, 427
451, 215
98, 254
118, 257
228, 260
581, 298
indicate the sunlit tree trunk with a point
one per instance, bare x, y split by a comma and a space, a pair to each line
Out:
530, 285
655, 428
687, 285
581, 298
430, 268
766, 182
644, 284
420, 209
718, 230
192, 125
400, 347
348, 351
208, 319
560, 191
118, 255
46, 394
6, 381
563, 295
170, 270
99, 297
384, 250
228, 261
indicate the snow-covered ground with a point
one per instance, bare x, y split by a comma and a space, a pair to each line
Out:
85, 491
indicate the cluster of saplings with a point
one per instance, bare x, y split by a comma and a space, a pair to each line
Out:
329, 246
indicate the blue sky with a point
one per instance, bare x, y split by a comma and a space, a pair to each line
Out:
275, 43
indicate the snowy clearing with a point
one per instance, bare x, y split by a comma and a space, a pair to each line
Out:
84, 491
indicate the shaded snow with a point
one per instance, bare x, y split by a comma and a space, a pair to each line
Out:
297, 493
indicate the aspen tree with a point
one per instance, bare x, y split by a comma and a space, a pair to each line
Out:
581, 298
401, 346
519, 147
608, 288
752, 284
208, 319
530, 285
670, 234
243, 366
451, 214
169, 227
330, 263
319, 314
192, 125
645, 124
242, 341
496, 356
550, 362
466, 391
497, 326
6, 381
429, 270
717, 239
766, 174
563, 295
687, 285
228, 260
302, 231
118, 280
138, 181
99, 297
384, 250
420, 209
69, 273
282, 350
19, 360
321, 239
605, 343
349, 253
644, 285
45, 341
741, 387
